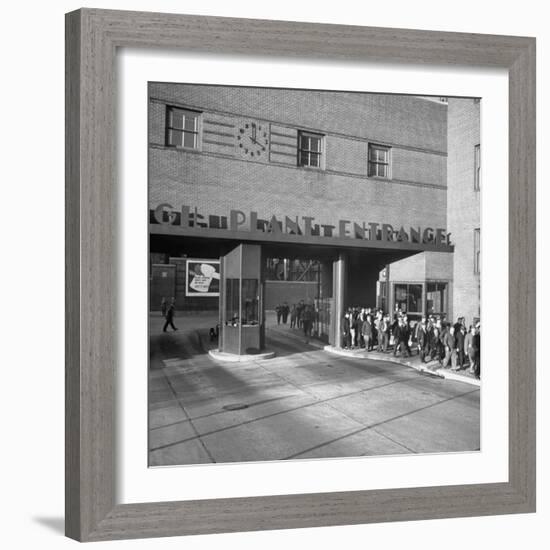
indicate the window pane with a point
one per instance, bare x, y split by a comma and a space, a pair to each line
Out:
175, 138
436, 299
304, 142
315, 159
190, 122
176, 120
414, 298
250, 302
400, 297
315, 144
382, 171
189, 140
232, 302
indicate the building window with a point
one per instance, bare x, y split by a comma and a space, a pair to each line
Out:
477, 168
182, 128
310, 149
408, 298
436, 299
477, 251
379, 161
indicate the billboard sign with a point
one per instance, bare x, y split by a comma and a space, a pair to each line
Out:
202, 278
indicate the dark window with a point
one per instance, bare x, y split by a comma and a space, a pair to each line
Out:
310, 149
232, 314
477, 168
436, 299
250, 302
182, 128
408, 297
379, 161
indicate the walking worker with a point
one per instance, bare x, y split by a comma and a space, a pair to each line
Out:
367, 332
353, 327
284, 310
279, 312
469, 347
402, 338
460, 336
170, 314
293, 316
436, 347
476, 343
383, 328
422, 338
346, 331
307, 321
449, 342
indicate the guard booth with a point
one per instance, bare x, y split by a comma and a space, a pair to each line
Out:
242, 318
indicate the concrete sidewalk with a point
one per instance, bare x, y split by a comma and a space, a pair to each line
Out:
304, 403
414, 362
204, 320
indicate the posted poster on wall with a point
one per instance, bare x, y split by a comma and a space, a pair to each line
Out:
202, 278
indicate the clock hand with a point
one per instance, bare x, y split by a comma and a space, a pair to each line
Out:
256, 142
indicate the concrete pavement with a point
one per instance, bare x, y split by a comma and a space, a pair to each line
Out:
304, 403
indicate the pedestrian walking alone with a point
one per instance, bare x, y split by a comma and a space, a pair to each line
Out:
170, 314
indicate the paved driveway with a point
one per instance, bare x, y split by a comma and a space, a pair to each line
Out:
304, 403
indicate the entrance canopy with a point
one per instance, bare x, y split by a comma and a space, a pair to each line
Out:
202, 246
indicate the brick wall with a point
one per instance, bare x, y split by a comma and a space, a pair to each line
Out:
463, 210
218, 177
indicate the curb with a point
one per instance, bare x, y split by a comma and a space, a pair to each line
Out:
234, 358
422, 368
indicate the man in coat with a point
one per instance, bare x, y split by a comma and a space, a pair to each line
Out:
367, 332
460, 336
346, 331
449, 343
422, 339
170, 314
469, 348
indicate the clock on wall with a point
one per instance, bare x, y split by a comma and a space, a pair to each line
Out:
253, 140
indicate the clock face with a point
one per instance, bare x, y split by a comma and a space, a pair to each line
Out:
253, 140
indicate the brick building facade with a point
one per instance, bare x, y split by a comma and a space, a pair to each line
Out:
370, 180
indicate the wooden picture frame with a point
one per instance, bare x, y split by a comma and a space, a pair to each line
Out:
92, 39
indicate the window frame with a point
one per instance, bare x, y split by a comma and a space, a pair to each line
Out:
477, 167
370, 162
169, 128
477, 251
444, 314
321, 152
421, 300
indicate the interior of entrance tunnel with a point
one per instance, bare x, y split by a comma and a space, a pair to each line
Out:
329, 278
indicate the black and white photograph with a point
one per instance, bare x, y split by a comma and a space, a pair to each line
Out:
314, 268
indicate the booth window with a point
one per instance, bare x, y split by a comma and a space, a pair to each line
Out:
408, 298
249, 302
379, 161
232, 315
477, 168
310, 149
182, 128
